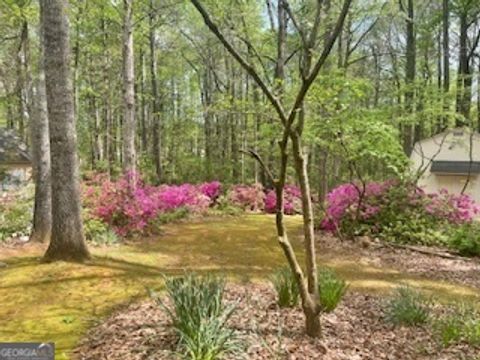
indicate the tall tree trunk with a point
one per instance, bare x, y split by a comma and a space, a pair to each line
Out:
129, 126
67, 238
23, 80
410, 77
156, 101
143, 104
42, 215
464, 81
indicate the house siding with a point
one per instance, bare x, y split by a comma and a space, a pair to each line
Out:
452, 145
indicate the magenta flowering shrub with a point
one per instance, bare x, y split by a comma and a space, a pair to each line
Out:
211, 189
292, 202
128, 204
400, 210
247, 197
456, 208
171, 197
344, 201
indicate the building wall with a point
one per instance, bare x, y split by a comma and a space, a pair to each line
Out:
452, 145
14, 175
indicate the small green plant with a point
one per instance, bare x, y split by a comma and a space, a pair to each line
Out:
463, 325
466, 239
407, 307
331, 289
16, 214
448, 329
200, 317
98, 232
286, 287
172, 216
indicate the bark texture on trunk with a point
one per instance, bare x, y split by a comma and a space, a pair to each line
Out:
156, 101
129, 126
42, 216
67, 238
408, 131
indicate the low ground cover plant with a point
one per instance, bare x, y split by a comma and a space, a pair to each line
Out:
462, 325
286, 287
199, 316
408, 307
331, 289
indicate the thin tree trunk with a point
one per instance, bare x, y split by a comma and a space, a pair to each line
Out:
464, 77
410, 77
67, 238
23, 81
156, 101
129, 126
446, 59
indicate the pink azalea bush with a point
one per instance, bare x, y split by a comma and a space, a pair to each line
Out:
247, 197
128, 204
292, 201
343, 201
396, 210
211, 189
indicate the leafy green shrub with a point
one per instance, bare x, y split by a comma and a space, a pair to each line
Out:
225, 207
461, 326
16, 214
331, 289
466, 239
407, 307
200, 317
172, 216
97, 231
286, 287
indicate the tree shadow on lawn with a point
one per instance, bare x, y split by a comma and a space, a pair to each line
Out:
59, 301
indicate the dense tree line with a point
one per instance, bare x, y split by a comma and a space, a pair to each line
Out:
185, 109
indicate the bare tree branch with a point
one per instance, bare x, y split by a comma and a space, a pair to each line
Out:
248, 67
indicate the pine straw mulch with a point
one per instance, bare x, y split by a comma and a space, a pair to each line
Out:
355, 331
464, 271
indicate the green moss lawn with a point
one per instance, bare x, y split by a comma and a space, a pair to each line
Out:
58, 302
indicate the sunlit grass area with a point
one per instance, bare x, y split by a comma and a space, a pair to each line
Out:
58, 302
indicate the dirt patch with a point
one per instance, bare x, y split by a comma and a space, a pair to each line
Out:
355, 331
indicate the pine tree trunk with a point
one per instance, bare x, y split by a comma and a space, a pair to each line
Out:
67, 239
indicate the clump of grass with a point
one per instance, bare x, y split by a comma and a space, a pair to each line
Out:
200, 317
463, 325
286, 287
331, 289
408, 307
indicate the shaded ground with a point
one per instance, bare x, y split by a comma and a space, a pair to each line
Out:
58, 302
143, 332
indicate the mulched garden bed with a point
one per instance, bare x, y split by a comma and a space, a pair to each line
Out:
465, 271
355, 331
